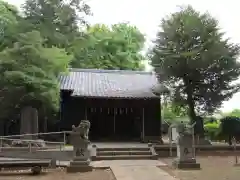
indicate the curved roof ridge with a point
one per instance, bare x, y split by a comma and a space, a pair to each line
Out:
110, 71
109, 83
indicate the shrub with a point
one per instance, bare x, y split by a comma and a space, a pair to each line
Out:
210, 120
230, 127
223, 129
212, 130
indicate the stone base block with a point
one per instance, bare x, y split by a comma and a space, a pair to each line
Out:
79, 163
237, 164
36, 170
152, 139
188, 165
79, 166
203, 141
80, 159
75, 169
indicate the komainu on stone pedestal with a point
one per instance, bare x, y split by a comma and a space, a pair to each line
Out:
80, 142
185, 150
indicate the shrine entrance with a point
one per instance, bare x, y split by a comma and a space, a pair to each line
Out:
115, 123
113, 119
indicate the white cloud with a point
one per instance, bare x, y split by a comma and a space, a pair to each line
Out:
146, 15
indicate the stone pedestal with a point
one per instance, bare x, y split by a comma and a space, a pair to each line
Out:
202, 141
190, 164
79, 165
81, 155
185, 155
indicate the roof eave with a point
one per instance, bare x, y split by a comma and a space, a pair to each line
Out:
115, 97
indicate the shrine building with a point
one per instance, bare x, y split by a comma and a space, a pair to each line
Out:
119, 104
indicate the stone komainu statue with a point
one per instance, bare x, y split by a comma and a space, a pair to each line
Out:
184, 134
184, 130
82, 129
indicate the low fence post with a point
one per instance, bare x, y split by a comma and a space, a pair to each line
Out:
64, 138
30, 147
235, 150
1, 144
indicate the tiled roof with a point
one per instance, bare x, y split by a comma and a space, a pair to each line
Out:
109, 83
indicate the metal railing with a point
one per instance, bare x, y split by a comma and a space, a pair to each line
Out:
29, 143
30, 139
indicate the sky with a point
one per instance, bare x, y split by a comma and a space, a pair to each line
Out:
146, 15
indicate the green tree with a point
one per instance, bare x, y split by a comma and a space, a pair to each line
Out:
172, 112
191, 56
115, 47
229, 128
29, 74
58, 21
9, 14
9, 19
235, 113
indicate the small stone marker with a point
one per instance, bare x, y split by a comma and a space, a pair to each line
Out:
185, 152
174, 134
36, 170
81, 153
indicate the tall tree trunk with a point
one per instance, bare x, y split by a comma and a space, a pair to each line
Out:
190, 101
198, 128
191, 108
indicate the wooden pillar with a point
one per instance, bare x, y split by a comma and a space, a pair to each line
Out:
143, 124
45, 125
2, 126
86, 118
161, 116
114, 121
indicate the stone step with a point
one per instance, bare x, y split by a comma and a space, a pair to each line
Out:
116, 153
124, 157
124, 149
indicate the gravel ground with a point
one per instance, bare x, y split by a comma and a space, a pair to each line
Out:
212, 168
58, 174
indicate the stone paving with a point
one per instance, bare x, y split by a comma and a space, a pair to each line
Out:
136, 169
140, 173
110, 163
127, 163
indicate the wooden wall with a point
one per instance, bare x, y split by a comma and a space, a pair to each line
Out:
127, 123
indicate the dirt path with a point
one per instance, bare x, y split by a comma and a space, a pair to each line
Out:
213, 168
60, 174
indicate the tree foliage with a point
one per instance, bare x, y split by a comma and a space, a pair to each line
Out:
29, 67
230, 128
9, 14
234, 113
58, 21
29, 71
115, 47
46, 38
171, 112
192, 57
9, 19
